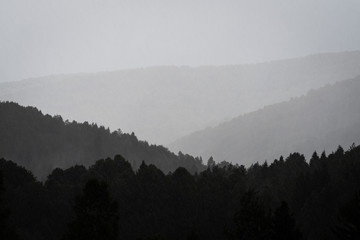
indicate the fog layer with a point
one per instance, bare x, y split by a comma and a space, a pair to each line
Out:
319, 121
161, 104
44, 37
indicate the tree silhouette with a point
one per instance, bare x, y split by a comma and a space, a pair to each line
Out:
284, 226
180, 205
192, 235
96, 214
252, 220
152, 237
6, 231
349, 220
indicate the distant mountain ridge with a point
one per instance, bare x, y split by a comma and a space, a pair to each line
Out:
161, 104
42, 143
320, 120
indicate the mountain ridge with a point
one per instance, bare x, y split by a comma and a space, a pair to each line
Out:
161, 104
42, 143
281, 128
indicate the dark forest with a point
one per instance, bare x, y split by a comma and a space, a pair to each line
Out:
288, 199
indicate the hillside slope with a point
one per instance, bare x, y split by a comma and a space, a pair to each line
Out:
161, 104
42, 143
321, 120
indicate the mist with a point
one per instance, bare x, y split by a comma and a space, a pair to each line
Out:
49, 37
191, 119
162, 104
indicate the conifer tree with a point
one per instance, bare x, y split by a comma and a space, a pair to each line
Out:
283, 224
6, 231
96, 216
252, 220
349, 220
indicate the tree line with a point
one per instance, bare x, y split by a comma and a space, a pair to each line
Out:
291, 198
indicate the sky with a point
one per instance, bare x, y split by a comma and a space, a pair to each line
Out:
44, 37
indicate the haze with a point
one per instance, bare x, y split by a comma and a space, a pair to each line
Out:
44, 37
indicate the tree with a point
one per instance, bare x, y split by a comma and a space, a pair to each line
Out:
152, 237
349, 220
6, 231
315, 161
252, 220
283, 224
211, 162
96, 216
192, 235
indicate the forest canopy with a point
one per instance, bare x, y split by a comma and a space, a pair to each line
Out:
290, 198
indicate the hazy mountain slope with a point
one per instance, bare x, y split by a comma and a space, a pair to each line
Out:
41, 143
161, 104
322, 119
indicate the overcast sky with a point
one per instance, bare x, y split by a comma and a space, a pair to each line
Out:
42, 37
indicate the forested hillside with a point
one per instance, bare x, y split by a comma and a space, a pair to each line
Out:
320, 120
41, 143
162, 104
288, 199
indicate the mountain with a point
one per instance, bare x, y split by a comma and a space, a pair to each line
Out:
161, 104
320, 120
42, 143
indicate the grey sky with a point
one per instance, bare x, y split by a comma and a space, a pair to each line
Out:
42, 37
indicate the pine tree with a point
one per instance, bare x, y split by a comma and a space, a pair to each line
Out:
252, 220
349, 220
284, 226
96, 216
6, 231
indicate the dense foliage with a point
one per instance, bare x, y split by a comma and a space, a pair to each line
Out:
96, 214
288, 199
42, 142
6, 231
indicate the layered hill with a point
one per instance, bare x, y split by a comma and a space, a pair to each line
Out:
161, 104
320, 120
42, 143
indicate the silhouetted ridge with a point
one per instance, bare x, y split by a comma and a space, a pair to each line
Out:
319, 120
42, 142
